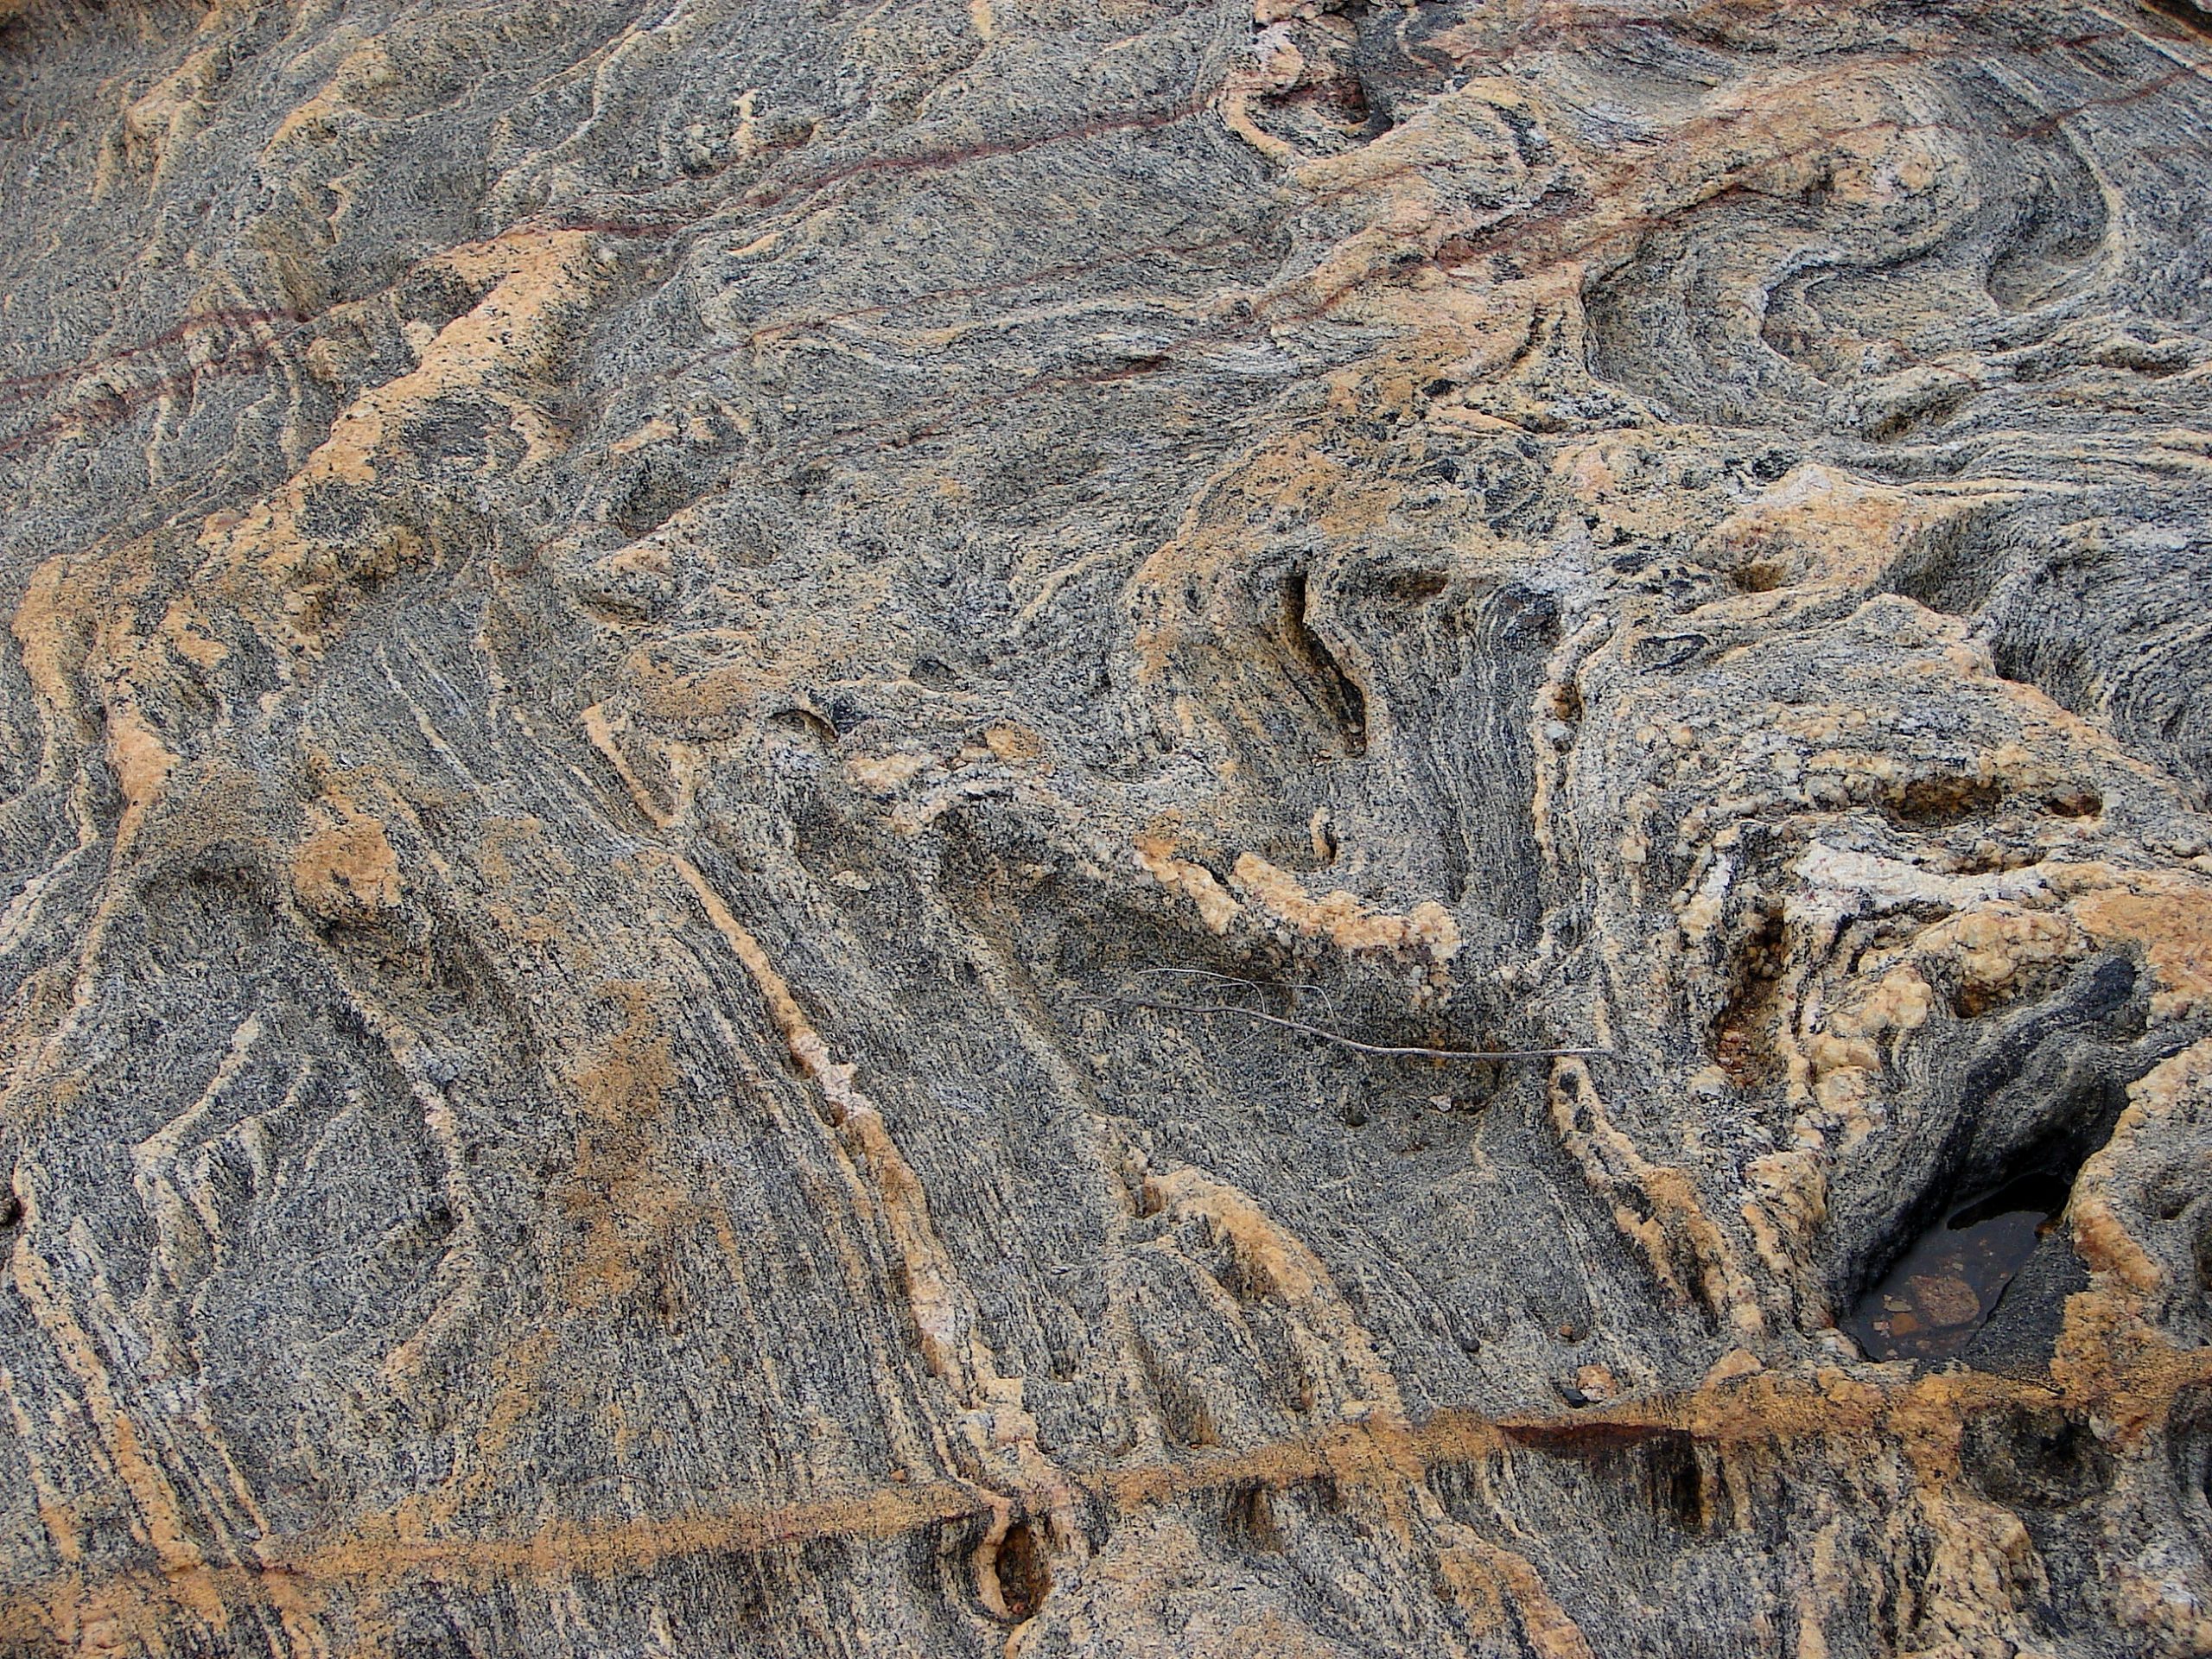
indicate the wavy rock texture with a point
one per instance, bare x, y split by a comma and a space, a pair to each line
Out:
640, 631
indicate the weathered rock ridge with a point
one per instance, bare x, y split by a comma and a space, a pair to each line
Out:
731, 732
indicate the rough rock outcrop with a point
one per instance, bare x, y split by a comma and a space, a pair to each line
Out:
734, 732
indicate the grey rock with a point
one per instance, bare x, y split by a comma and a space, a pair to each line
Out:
682, 675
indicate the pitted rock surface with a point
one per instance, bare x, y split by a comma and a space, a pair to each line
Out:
766, 768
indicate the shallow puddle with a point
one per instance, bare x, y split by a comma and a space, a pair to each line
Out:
1946, 1287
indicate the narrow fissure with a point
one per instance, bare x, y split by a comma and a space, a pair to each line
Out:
1336, 691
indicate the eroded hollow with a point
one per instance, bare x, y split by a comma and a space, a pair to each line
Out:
2030, 1454
1950, 1281
1023, 1577
1959, 1254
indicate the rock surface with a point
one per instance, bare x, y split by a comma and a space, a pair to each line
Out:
663, 655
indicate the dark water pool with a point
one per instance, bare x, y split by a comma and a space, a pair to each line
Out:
1946, 1287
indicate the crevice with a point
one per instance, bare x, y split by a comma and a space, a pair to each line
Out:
1662, 1466
1954, 567
1335, 692
1182, 1410
806, 723
1942, 801
1742, 1041
2195, 18
1249, 1518
2031, 1455
2061, 229
2189, 1432
1020, 1572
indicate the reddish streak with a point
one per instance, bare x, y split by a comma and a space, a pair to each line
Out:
117, 404
13, 387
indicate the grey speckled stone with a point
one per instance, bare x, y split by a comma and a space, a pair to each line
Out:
679, 673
